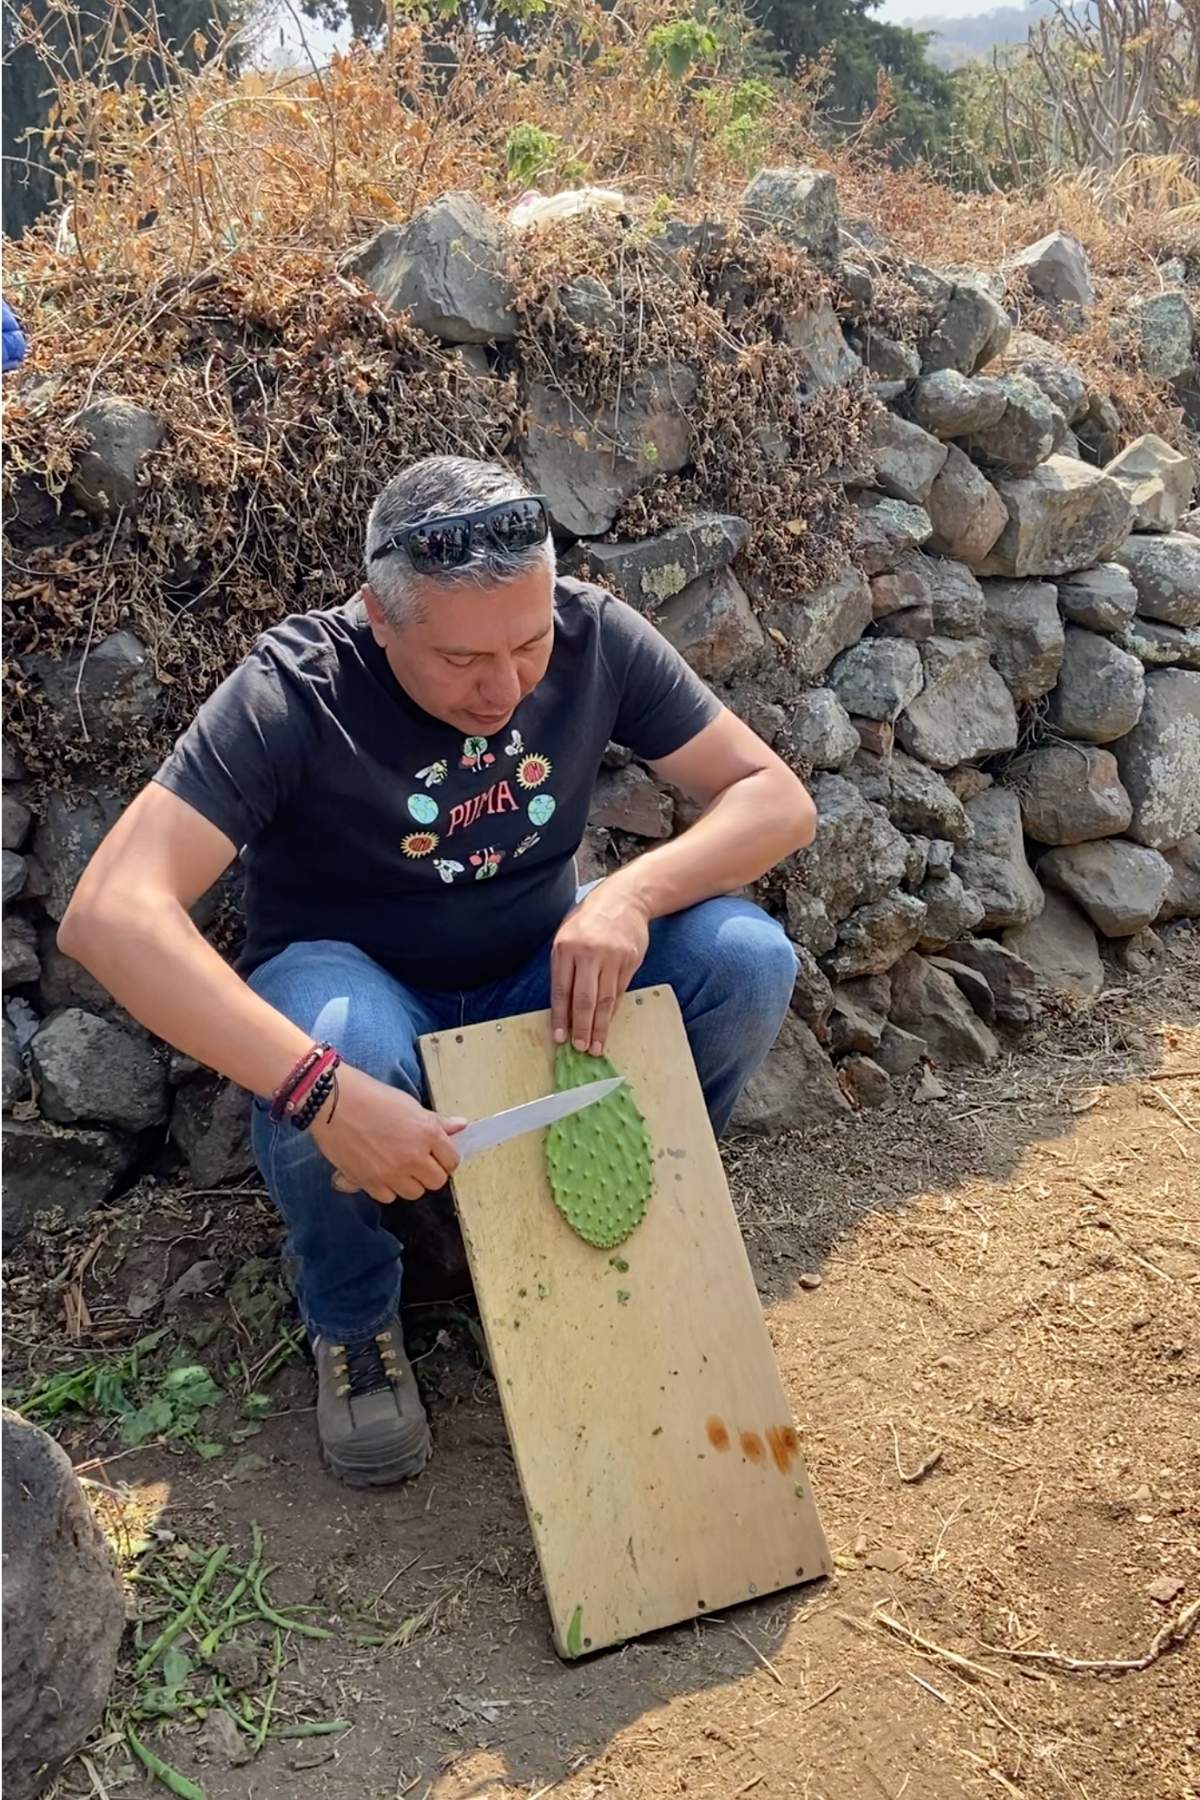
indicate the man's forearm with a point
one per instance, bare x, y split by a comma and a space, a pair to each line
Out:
155, 963
747, 829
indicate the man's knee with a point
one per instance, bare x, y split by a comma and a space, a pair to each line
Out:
754, 961
339, 996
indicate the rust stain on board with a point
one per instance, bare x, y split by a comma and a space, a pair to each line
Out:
784, 1446
718, 1435
752, 1446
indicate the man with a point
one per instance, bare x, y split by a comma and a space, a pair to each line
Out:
407, 778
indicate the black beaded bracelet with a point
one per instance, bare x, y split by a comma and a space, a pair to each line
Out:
314, 1102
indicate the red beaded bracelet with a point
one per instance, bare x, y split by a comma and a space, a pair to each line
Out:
285, 1093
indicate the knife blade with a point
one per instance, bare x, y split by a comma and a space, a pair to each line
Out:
534, 1115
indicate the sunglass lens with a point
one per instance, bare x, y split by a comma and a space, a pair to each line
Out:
518, 526
441, 545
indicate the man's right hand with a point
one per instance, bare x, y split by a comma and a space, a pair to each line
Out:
383, 1142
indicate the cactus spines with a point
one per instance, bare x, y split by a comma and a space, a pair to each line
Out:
598, 1160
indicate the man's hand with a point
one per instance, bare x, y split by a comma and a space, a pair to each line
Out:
384, 1142
599, 949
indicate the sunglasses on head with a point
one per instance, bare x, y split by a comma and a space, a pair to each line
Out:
446, 543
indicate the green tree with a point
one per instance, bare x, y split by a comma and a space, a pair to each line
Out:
859, 49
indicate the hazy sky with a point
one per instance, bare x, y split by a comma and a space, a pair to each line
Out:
896, 12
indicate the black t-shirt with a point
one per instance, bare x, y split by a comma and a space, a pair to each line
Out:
362, 818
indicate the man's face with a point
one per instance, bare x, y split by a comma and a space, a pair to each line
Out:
473, 654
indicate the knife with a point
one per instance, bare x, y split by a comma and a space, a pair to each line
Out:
485, 1134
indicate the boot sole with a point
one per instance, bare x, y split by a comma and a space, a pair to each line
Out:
403, 1466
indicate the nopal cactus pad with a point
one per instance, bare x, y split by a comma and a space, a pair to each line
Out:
598, 1160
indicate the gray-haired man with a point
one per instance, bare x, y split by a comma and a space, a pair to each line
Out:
407, 779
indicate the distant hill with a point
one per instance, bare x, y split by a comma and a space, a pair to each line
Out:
956, 41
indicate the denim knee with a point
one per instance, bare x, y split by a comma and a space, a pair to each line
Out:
754, 960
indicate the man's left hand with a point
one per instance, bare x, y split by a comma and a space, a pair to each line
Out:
599, 949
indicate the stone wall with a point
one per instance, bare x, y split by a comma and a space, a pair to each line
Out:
996, 701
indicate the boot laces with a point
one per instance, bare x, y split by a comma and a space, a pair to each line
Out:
365, 1368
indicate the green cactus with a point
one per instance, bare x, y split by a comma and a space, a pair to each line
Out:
598, 1160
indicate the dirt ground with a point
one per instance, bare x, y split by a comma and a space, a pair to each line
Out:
997, 1384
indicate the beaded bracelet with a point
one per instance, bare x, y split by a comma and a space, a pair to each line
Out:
290, 1096
311, 1107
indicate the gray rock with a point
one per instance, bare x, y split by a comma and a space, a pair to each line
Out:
928, 1003
210, 1123
1103, 599
1010, 978
11, 766
1100, 428
900, 590
1070, 793
939, 858
973, 329
1024, 434
649, 571
712, 625
67, 836
885, 357
799, 204
808, 922
857, 855
887, 529
447, 268
874, 936
1157, 481
64, 982
1159, 646
823, 622
90, 1070
15, 1083
952, 405
1100, 689
1160, 760
1063, 516
117, 436
1060, 947
1027, 635
919, 800
1120, 886
907, 460
571, 458
48, 1166
630, 800
970, 984
865, 1082
878, 677
795, 1086
1062, 382
64, 1610
1159, 329
859, 1014
956, 598
964, 710
1056, 268
821, 732
993, 864
17, 820
899, 1052
589, 304
918, 862
21, 965
102, 697
967, 513
950, 910
826, 359
1166, 573
13, 870
1182, 898
812, 996
915, 623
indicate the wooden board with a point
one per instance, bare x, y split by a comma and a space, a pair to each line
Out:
652, 1437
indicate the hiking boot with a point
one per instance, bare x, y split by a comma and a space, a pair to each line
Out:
371, 1422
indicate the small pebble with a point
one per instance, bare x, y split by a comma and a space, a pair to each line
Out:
1141, 1496
1166, 1589
809, 1280
887, 1560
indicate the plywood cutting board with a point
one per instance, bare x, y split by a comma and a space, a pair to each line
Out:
652, 1437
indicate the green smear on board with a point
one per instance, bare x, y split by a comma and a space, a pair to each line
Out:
575, 1633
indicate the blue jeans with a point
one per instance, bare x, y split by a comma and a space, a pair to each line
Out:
732, 969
